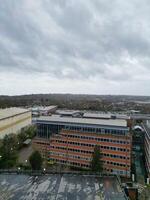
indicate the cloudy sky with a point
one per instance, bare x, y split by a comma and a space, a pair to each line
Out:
75, 46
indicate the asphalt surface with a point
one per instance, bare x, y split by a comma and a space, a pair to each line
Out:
59, 187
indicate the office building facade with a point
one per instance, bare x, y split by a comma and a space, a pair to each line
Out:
72, 142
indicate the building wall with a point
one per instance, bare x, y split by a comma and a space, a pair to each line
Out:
76, 149
14, 124
41, 145
147, 153
73, 144
45, 129
147, 147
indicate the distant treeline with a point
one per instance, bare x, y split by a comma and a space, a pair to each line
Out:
76, 101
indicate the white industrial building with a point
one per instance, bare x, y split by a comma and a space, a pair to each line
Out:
43, 110
12, 120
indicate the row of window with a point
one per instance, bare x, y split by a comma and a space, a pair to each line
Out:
114, 171
116, 164
96, 130
115, 156
85, 158
88, 159
70, 156
93, 145
73, 150
114, 148
70, 163
97, 139
86, 165
85, 151
45, 130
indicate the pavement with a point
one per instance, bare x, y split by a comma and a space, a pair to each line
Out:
24, 154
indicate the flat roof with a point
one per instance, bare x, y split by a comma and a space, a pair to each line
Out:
67, 112
44, 108
105, 122
97, 115
60, 186
105, 115
9, 112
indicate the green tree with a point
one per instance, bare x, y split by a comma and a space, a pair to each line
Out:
26, 133
31, 131
22, 136
8, 153
35, 160
9, 146
97, 163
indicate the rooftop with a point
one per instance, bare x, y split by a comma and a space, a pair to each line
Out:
105, 122
44, 108
67, 112
69, 187
105, 115
9, 112
97, 115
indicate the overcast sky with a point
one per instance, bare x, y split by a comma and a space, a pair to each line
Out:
75, 46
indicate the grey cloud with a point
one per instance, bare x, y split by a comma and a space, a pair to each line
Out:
75, 39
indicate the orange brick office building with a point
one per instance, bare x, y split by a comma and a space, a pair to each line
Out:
72, 141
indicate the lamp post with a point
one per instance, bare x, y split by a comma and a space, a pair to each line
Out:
44, 170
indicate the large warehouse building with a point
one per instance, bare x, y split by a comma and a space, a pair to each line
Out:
12, 120
71, 141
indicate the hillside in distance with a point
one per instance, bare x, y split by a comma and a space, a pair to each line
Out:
80, 101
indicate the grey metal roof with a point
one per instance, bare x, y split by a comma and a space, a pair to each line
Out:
105, 122
105, 115
97, 115
69, 187
44, 108
67, 112
9, 112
